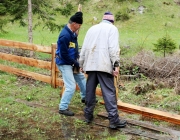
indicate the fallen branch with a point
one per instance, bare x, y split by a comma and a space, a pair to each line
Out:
129, 77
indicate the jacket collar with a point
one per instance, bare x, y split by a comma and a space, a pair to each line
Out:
106, 21
70, 31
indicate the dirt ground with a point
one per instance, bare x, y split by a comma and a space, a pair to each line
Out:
73, 128
36, 119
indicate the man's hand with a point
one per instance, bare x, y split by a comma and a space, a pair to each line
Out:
116, 71
81, 69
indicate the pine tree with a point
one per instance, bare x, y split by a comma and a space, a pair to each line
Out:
165, 45
16, 10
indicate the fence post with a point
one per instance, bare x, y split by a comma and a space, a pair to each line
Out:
54, 74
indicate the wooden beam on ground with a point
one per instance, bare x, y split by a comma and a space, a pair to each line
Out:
151, 113
145, 125
98, 91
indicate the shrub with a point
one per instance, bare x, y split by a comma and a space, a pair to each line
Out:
126, 0
165, 44
82, 1
122, 15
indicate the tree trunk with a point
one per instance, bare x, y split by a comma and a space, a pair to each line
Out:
30, 33
165, 51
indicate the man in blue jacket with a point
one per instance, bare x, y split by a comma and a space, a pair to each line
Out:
67, 60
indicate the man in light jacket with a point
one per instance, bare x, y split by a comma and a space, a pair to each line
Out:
98, 58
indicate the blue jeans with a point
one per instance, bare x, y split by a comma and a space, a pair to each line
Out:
70, 79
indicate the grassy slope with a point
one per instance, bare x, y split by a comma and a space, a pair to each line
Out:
141, 30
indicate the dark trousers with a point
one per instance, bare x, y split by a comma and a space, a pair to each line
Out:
106, 82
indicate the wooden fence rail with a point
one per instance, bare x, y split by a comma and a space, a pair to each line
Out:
52, 79
57, 82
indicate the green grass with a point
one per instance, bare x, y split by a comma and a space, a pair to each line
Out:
27, 120
24, 120
141, 31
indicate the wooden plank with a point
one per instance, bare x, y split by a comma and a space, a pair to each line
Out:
146, 125
154, 127
98, 91
151, 113
59, 82
32, 75
27, 61
26, 46
135, 131
126, 130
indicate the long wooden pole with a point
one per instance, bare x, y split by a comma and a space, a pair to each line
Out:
116, 84
79, 8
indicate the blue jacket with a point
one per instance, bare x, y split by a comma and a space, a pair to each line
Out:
67, 47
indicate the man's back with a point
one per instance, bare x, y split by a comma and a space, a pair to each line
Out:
100, 47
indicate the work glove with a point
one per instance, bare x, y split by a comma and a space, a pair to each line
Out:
116, 64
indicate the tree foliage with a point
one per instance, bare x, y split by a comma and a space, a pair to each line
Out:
66, 11
165, 44
16, 10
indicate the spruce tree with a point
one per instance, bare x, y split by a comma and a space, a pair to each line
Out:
165, 45
16, 10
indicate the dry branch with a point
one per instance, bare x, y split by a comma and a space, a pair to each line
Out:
166, 69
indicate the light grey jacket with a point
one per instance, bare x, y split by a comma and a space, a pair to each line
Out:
100, 48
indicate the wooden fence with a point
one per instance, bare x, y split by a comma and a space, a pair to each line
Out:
48, 65
57, 82
53, 80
